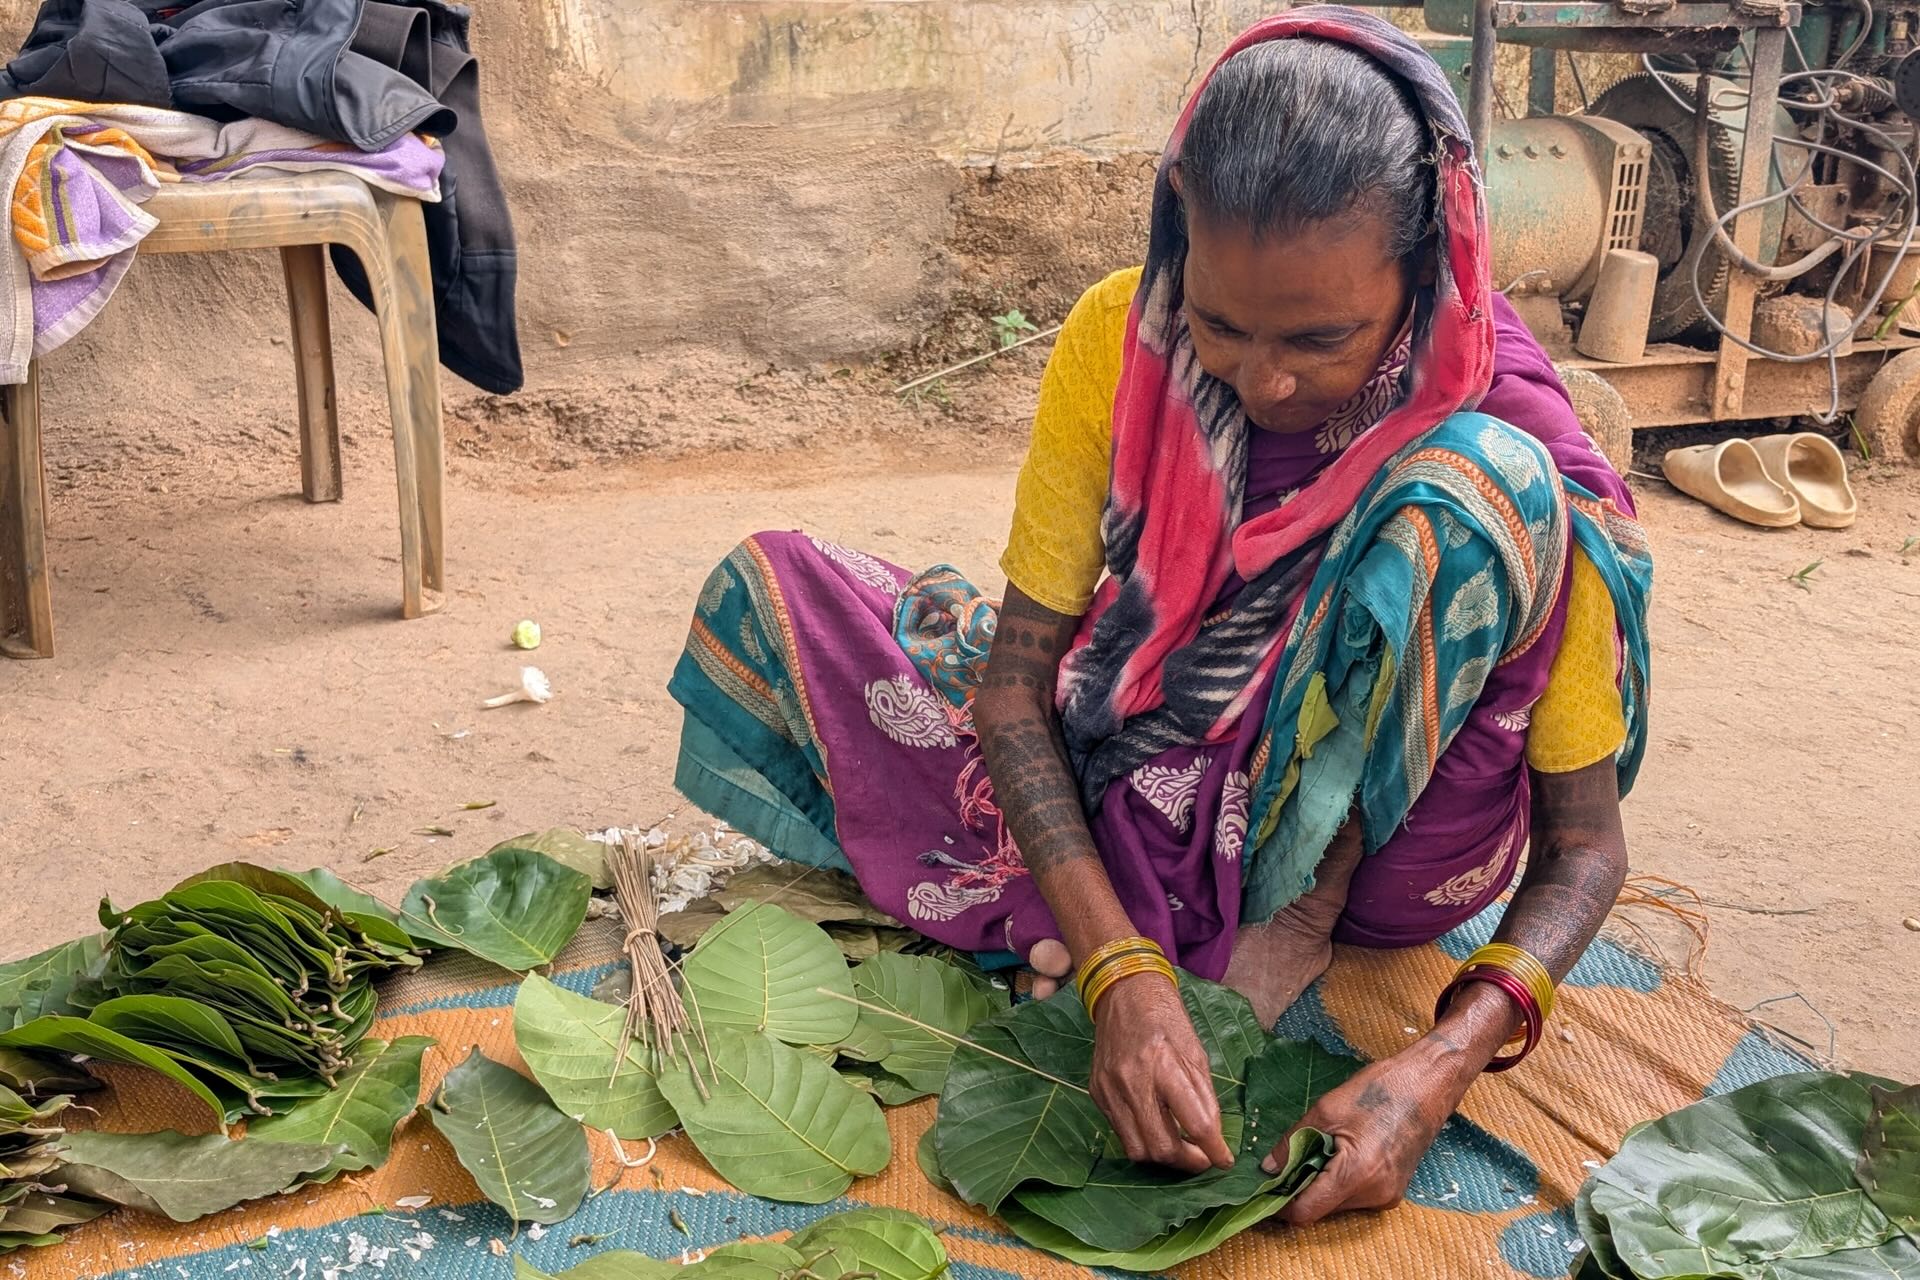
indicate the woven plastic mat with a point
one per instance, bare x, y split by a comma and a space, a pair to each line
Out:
1628, 1043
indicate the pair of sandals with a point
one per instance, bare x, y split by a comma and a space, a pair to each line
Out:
1774, 482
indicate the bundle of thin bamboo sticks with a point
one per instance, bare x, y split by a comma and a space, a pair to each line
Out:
655, 1012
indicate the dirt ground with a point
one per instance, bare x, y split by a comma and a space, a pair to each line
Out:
233, 679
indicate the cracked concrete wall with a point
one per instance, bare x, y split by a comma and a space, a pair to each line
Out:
777, 181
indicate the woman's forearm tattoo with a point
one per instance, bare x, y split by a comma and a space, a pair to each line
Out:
1575, 868
1025, 752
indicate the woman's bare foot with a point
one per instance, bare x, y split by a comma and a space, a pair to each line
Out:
1051, 964
1274, 962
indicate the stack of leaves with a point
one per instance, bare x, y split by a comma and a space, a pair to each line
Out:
184, 1178
247, 979
250, 987
1814, 1176
1019, 1135
775, 1009
867, 1244
34, 1206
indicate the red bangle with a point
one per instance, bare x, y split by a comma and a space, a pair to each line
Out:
1515, 988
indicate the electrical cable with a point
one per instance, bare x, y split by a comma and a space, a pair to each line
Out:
1853, 243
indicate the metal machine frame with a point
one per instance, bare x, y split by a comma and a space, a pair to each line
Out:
1675, 385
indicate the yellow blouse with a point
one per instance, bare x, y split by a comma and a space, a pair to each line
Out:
1055, 555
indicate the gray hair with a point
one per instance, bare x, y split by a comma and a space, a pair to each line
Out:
1290, 133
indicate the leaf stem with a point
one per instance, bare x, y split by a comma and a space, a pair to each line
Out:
951, 1038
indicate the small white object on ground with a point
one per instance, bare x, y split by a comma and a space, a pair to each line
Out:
526, 634
534, 687
413, 1202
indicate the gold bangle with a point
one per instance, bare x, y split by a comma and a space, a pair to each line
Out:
1109, 952
1092, 975
1120, 969
1522, 965
1102, 954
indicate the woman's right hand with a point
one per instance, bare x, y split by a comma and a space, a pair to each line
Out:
1152, 1079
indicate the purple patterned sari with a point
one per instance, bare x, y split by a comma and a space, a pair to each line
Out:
828, 715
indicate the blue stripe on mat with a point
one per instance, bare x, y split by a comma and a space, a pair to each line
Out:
579, 981
455, 1243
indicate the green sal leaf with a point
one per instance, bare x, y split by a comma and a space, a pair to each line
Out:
1202, 1235
40, 1075
615, 1264
378, 1090
40, 984
762, 969
180, 1177
60, 1034
1283, 1082
526, 1156
11, 1240
887, 1244
890, 1090
359, 907
1001, 1124
569, 848
1756, 1183
1890, 1164
1226, 1025
927, 1156
774, 1121
1124, 1206
172, 1024
1602, 1259
926, 990
1307, 1154
40, 1214
867, 1044
579, 1051
750, 1260
512, 907
260, 880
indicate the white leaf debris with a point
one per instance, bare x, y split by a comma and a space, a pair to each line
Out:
497, 1247
688, 868
1453, 1194
473, 1242
451, 1216
417, 1244
1589, 1164
536, 1232
544, 1203
413, 1202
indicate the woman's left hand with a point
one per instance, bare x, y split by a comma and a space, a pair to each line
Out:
1382, 1122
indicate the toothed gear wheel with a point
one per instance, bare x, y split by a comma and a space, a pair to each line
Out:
1673, 232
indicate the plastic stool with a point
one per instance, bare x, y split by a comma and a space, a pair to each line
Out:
299, 214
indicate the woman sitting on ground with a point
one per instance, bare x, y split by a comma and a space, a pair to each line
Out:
1296, 649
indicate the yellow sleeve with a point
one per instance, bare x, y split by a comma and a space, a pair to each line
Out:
1578, 721
1054, 553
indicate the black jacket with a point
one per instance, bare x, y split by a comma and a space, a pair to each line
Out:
357, 71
